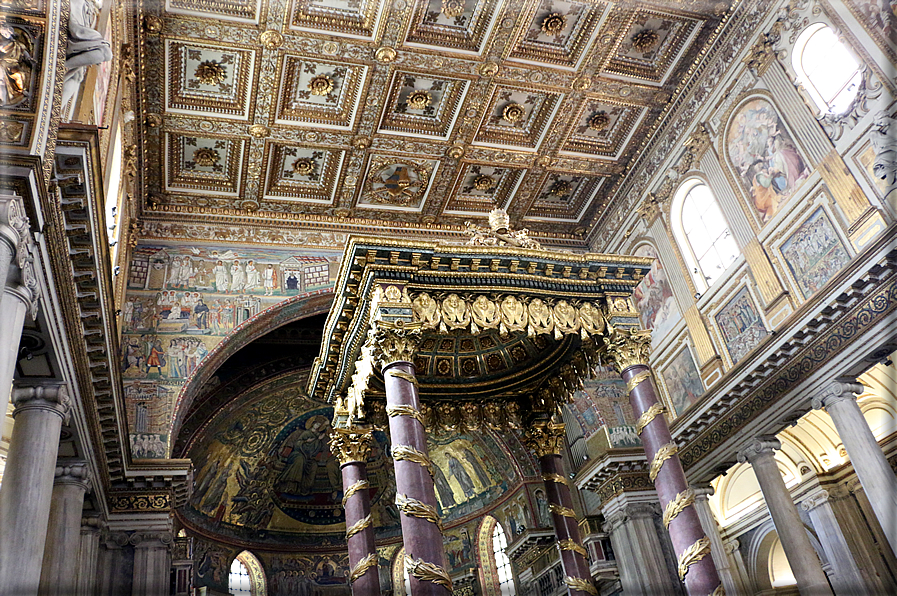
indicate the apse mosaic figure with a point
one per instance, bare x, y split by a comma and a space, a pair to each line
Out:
741, 326
654, 297
183, 300
682, 381
814, 253
764, 156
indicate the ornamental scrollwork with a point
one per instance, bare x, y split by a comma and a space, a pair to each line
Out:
395, 342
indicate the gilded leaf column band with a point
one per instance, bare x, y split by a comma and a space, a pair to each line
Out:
629, 351
546, 439
352, 446
415, 494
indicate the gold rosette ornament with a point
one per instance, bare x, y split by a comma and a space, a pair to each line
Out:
599, 121
554, 23
210, 72
645, 40
205, 157
418, 99
513, 113
320, 85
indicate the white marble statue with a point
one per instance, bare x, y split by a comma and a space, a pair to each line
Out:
86, 47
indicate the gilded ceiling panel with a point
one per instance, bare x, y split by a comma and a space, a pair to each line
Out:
558, 33
517, 117
208, 79
397, 183
419, 104
602, 127
203, 164
480, 188
232, 10
321, 93
302, 173
350, 18
564, 197
650, 45
454, 25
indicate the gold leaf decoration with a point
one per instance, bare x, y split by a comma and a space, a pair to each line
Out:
647, 416
636, 380
645, 40
513, 113
561, 510
599, 121
210, 72
357, 486
405, 410
419, 99
409, 453
368, 562
206, 157
677, 506
577, 583
554, 23
428, 572
320, 85
663, 454
414, 508
358, 526
570, 545
692, 555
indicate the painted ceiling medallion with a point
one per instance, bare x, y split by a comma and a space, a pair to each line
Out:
561, 188
645, 40
453, 8
418, 99
320, 85
554, 23
206, 157
599, 121
483, 182
304, 166
210, 72
513, 113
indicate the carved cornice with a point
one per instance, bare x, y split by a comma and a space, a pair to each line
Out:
351, 444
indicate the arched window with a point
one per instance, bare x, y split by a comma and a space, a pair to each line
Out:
702, 233
827, 68
498, 576
502, 563
246, 576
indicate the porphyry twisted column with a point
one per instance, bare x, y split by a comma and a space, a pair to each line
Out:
28, 484
352, 447
59, 575
415, 495
546, 439
629, 351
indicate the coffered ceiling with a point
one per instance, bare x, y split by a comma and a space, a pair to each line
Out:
416, 111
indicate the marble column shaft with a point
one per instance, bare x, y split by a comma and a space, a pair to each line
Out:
352, 447
566, 526
88, 557
640, 557
152, 564
59, 574
424, 552
866, 455
844, 538
731, 582
27, 487
689, 541
802, 557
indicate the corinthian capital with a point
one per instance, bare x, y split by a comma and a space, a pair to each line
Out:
626, 347
396, 341
544, 438
351, 444
52, 397
840, 389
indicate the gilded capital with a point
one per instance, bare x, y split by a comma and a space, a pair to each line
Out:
626, 347
545, 438
396, 342
351, 444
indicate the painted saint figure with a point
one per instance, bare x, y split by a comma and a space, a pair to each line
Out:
457, 470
